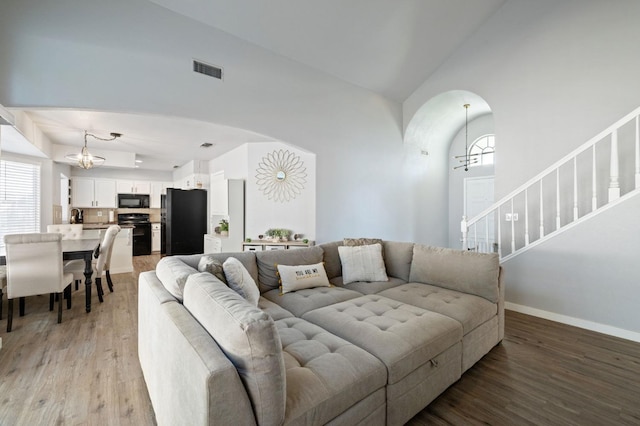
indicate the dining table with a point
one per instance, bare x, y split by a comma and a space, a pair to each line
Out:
76, 249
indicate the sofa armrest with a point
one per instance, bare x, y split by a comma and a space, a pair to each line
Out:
194, 383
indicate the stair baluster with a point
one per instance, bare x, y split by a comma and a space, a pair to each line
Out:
612, 183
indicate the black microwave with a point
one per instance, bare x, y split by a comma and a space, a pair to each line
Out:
133, 201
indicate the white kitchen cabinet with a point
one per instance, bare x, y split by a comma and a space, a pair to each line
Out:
88, 192
156, 235
193, 181
212, 243
219, 195
158, 189
134, 187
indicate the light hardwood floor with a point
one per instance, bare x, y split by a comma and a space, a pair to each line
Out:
85, 371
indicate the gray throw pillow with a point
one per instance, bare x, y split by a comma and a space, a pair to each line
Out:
352, 242
239, 279
213, 266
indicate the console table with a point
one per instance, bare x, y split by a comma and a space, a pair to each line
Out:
270, 245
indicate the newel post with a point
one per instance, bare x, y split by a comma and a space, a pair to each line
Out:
464, 230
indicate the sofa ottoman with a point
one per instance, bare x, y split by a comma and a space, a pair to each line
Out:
420, 349
477, 315
327, 376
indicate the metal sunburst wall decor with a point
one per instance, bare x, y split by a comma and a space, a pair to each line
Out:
281, 175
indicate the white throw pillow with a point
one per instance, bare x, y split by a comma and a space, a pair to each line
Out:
239, 280
362, 263
299, 277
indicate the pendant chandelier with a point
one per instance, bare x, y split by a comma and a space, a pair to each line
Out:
466, 159
84, 159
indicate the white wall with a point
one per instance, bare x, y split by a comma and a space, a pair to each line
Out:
134, 56
234, 164
262, 213
297, 215
588, 274
125, 174
554, 74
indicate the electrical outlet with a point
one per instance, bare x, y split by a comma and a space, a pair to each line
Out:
99, 213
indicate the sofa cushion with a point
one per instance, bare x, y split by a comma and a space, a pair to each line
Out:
353, 242
331, 259
299, 277
248, 337
326, 375
461, 270
173, 274
471, 311
362, 263
274, 310
213, 266
306, 300
267, 261
240, 280
402, 336
397, 259
368, 287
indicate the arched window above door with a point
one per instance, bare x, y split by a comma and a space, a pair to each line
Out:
482, 150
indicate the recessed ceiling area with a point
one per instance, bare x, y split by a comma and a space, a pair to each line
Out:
158, 142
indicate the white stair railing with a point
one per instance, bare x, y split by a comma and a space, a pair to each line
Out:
554, 198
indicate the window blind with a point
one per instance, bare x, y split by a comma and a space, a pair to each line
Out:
19, 198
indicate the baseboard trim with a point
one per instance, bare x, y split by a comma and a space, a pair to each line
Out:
576, 322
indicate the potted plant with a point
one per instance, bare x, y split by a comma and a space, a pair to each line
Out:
224, 227
278, 234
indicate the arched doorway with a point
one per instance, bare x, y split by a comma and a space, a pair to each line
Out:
442, 130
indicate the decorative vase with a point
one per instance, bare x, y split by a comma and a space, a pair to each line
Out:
224, 233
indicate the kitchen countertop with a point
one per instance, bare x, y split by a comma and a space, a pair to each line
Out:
90, 226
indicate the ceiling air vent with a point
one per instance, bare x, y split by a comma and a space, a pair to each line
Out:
206, 69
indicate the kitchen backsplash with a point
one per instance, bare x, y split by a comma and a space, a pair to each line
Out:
102, 215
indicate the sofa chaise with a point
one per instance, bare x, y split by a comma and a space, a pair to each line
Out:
352, 351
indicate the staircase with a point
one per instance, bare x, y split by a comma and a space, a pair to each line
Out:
602, 173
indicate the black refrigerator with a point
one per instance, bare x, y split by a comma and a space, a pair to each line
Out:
183, 221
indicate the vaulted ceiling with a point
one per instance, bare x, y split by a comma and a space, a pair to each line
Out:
386, 46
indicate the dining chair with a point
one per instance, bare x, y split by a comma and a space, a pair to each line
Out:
101, 264
3, 285
106, 265
70, 231
34, 266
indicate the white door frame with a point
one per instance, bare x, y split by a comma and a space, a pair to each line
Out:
480, 242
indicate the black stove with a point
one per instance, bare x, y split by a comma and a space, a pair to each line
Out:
141, 231
133, 218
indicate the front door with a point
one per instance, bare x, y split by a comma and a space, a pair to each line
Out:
478, 196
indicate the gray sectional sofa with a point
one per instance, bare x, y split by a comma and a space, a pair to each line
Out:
362, 353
